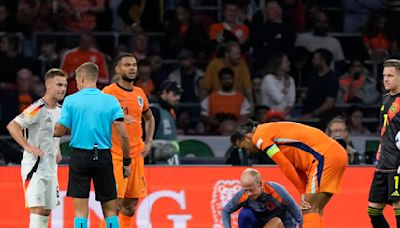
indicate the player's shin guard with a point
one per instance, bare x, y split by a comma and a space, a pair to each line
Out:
397, 214
124, 221
377, 218
312, 220
112, 222
38, 221
80, 222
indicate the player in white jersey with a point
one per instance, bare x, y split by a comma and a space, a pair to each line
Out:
33, 129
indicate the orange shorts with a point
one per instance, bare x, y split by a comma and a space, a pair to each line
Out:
329, 176
135, 185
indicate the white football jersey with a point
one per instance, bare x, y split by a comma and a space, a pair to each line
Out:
40, 122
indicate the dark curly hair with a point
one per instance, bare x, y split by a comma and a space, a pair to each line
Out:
242, 129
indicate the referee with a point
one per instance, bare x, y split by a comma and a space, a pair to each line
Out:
89, 114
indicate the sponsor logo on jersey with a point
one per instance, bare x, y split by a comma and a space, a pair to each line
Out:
393, 108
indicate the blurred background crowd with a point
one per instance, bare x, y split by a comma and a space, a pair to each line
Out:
307, 61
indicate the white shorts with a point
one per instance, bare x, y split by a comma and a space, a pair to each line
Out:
42, 191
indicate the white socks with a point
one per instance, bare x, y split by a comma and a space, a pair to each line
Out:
38, 221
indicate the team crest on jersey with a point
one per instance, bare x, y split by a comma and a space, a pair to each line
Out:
140, 101
223, 192
393, 108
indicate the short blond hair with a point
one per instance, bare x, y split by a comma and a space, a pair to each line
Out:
89, 69
53, 72
392, 63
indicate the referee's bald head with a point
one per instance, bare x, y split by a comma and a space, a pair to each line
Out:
89, 70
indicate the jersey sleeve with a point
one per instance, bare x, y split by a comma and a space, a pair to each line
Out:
291, 205
29, 116
117, 112
65, 117
265, 142
233, 205
146, 104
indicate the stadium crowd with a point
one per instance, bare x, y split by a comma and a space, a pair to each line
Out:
302, 60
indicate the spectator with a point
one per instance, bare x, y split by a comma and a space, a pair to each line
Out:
85, 52
256, 88
293, 14
356, 126
379, 37
323, 87
16, 101
10, 61
260, 111
233, 60
338, 130
230, 29
356, 13
300, 66
148, 14
274, 116
37, 16
270, 35
144, 80
140, 45
278, 89
80, 16
357, 86
182, 33
163, 108
187, 76
48, 57
159, 72
319, 38
225, 103
392, 9
6, 23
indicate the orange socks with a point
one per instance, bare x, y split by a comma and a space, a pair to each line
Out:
312, 220
124, 221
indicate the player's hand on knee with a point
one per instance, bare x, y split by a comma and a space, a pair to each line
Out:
34, 150
398, 170
126, 171
304, 205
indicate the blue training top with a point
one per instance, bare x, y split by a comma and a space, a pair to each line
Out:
89, 114
274, 201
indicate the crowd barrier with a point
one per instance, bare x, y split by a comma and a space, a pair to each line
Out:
190, 196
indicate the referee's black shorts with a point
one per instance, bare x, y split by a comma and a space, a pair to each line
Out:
385, 188
83, 168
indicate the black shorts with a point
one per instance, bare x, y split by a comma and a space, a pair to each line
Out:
83, 168
385, 188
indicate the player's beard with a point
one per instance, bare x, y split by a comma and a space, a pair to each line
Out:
127, 79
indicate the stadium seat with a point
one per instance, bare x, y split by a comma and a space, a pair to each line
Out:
195, 147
